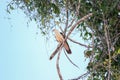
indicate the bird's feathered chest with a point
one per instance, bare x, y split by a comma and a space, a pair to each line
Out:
59, 37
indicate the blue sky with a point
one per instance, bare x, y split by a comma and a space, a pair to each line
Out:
24, 55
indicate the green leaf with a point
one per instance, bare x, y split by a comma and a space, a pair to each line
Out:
55, 8
11, 7
119, 51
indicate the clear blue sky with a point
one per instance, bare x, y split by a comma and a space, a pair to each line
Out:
24, 55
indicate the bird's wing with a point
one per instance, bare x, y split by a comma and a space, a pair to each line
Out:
58, 36
66, 46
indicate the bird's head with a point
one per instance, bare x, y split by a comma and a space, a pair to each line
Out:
55, 30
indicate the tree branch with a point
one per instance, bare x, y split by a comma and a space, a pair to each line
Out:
108, 48
66, 17
71, 23
57, 65
70, 60
79, 43
77, 8
81, 76
61, 28
78, 22
56, 50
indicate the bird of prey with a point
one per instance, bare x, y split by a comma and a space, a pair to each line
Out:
60, 38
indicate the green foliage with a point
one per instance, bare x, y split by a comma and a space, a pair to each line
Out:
41, 11
105, 13
104, 22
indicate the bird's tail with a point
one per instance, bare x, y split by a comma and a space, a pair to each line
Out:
67, 48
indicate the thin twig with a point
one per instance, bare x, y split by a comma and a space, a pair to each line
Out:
77, 8
79, 43
66, 17
71, 60
81, 76
61, 29
71, 23
116, 36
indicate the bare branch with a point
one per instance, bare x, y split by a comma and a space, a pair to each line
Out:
78, 22
66, 17
79, 43
55, 52
57, 65
82, 76
70, 60
116, 36
77, 9
61, 28
71, 23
